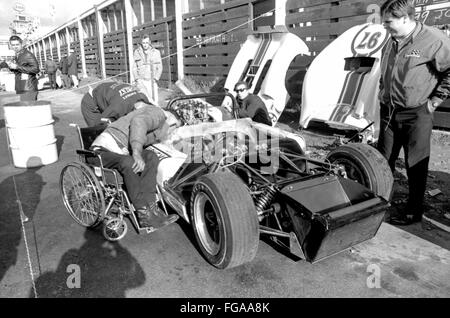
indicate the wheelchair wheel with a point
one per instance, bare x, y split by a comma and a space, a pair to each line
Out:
82, 194
115, 229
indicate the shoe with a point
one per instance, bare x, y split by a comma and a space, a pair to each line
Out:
152, 217
405, 219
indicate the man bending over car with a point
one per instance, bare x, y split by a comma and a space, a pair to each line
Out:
122, 147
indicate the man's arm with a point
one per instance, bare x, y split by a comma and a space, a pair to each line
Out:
134, 69
441, 62
157, 63
28, 64
140, 125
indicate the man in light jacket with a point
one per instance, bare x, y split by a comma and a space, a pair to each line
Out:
147, 68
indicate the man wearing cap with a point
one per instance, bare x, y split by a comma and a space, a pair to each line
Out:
72, 63
122, 146
25, 67
110, 100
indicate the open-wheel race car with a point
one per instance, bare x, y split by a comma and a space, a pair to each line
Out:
234, 180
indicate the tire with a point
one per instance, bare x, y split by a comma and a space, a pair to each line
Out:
365, 165
115, 229
224, 220
82, 194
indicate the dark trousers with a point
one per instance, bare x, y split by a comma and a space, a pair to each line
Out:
141, 188
28, 96
66, 81
409, 129
52, 79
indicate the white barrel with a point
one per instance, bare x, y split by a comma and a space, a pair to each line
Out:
31, 133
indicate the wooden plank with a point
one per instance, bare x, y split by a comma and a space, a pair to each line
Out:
210, 60
336, 28
318, 45
296, 4
213, 50
216, 17
325, 13
238, 36
441, 119
219, 28
205, 70
227, 5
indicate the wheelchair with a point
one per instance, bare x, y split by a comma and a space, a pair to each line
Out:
94, 194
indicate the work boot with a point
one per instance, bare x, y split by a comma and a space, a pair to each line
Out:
152, 217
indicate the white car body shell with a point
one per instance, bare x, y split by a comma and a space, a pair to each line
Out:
345, 98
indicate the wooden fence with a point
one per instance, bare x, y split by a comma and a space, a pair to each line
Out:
92, 56
212, 37
116, 58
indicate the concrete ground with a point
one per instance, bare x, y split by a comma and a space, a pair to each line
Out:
40, 258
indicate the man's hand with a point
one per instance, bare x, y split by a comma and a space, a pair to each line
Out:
139, 163
11, 65
432, 105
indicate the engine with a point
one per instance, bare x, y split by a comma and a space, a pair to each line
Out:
192, 112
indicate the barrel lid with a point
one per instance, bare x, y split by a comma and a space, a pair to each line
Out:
29, 103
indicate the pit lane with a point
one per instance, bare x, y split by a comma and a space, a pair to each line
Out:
167, 263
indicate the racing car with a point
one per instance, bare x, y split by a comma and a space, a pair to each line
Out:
236, 180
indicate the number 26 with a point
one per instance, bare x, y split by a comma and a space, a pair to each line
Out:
369, 42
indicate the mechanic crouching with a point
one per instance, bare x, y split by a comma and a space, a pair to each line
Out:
122, 147
110, 100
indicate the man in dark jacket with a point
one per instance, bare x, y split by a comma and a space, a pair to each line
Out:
25, 66
50, 68
415, 80
250, 106
72, 63
64, 72
122, 146
110, 100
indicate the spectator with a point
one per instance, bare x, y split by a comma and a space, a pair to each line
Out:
415, 79
25, 67
72, 64
250, 105
110, 100
122, 147
64, 72
147, 68
50, 68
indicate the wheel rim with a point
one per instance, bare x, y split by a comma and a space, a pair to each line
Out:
353, 171
81, 196
207, 224
115, 229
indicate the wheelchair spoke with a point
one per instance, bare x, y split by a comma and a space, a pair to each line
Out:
80, 190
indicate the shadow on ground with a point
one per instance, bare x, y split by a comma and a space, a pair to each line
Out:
28, 185
95, 270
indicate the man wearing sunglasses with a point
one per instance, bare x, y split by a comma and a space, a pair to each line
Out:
250, 105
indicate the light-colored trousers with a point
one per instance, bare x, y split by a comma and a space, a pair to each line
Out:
150, 89
74, 80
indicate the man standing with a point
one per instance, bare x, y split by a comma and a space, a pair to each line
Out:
250, 106
64, 71
72, 64
415, 80
25, 66
110, 100
50, 68
122, 147
147, 68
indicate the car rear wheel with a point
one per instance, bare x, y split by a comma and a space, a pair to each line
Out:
224, 220
365, 165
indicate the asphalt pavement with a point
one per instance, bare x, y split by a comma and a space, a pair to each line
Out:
52, 256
